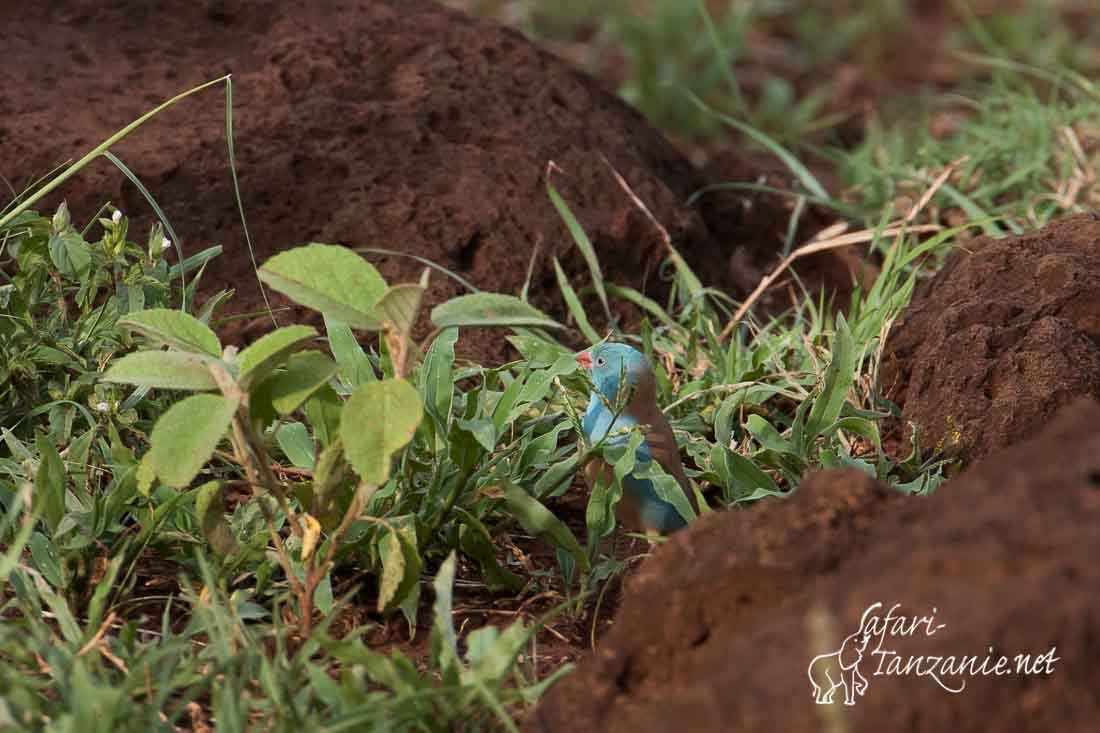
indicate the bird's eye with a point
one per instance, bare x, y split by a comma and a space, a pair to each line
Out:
600, 361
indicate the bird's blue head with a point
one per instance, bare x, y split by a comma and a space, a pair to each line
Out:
609, 362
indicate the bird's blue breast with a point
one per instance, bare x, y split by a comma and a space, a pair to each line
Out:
598, 421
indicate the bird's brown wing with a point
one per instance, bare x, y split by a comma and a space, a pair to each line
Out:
662, 446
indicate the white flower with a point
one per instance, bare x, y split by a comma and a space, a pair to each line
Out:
117, 216
165, 244
103, 407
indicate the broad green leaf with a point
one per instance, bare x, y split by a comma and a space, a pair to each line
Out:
355, 367
71, 255
837, 381
322, 411
162, 370
537, 350
490, 309
44, 555
745, 478
437, 379
18, 450
541, 522
306, 372
210, 511
400, 567
259, 359
379, 419
860, 426
330, 279
482, 430
444, 638
599, 516
186, 434
49, 484
174, 328
767, 435
146, 474
399, 306
294, 439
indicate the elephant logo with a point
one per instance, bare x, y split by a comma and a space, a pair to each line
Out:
836, 669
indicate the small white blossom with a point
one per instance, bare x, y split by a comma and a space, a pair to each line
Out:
117, 216
165, 244
103, 407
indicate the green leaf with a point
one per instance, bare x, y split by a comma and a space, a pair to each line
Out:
174, 328
49, 484
355, 367
573, 303
400, 567
379, 419
437, 378
475, 541
185, 436
146, 474
259, 359
836, 382
482, 430
580, 237
294, 439
767, 435
305, 373
537, 349
330, 279
444, 638
490, 309
71, 255
44, 555
322, 410
399, 306
742, 476
163, 370
541, 522
210, 511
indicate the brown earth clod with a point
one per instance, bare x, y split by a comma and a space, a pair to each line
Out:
716, 632
1006, 334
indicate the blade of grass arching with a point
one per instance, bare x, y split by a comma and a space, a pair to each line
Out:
34, 184
837, 206
975, 212
237, 194
160, 215
720, 51
530, 270
801, 172
647, 304
98, 150
574, 305
580, 238
426, 262
792, 224
1055, 78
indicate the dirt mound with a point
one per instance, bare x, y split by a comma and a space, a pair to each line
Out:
392, 123
1001, 338
717, 630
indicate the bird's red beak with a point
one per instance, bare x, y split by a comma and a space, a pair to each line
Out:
585, 360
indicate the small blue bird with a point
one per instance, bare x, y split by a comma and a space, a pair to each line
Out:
641, 508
